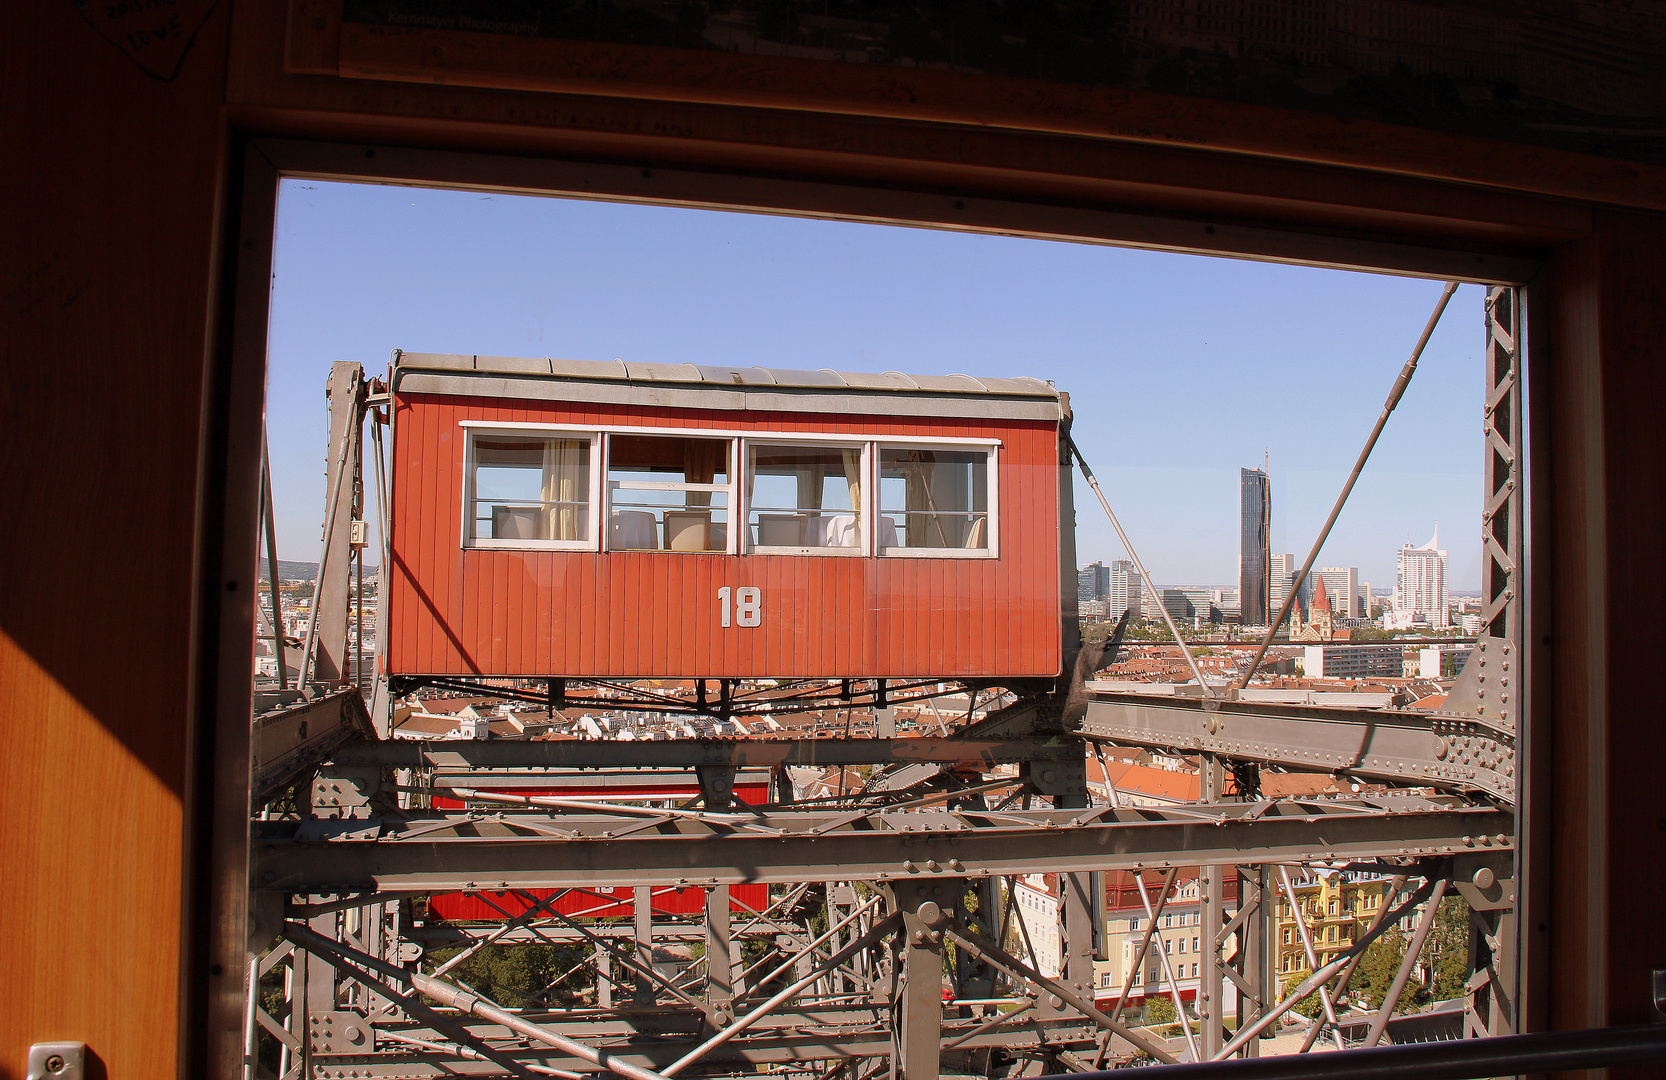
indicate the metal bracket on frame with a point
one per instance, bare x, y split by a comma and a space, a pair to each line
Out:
57, 1061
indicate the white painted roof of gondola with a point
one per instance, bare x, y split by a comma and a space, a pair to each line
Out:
708, 386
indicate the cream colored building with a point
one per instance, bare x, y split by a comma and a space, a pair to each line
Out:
1336, 908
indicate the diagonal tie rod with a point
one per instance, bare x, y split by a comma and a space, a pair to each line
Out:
1144, 574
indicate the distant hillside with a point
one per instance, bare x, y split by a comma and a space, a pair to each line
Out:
292, 571
299, 571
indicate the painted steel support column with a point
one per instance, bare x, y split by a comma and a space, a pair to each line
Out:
720, 978
1076, 971
1491, 991
1494, 987
604, 978
841, 897
918, 1002
315, 991
346, 395
642, 992
1259, 950
1210, 1006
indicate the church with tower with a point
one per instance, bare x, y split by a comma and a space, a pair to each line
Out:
1321, 622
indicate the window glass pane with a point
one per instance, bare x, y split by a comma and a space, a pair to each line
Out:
933, 498
531, 489
660, 497
805, 496
670, 459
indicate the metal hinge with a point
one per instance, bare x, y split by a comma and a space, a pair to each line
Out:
57, 1061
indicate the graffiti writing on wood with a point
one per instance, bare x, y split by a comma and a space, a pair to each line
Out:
154, 34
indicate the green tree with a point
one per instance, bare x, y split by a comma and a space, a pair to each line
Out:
1376, 972
1310, 1006
1448, 949
1159, 1010
517, 976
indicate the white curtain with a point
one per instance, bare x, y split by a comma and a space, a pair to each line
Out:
565, 478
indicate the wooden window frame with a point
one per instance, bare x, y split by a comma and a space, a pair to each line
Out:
1318, 220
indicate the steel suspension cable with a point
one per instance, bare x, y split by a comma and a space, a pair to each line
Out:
1104, 503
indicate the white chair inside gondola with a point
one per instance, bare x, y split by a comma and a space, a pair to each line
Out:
780, 530
887, 533
516, 522
633, 530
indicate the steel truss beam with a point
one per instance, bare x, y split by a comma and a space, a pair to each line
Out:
446, 936
810, 695
1455, 753
334, 856
778, 1048
690, 753
286, 744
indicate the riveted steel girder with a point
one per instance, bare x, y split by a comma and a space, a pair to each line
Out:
1454, 753
872, 846
688, 753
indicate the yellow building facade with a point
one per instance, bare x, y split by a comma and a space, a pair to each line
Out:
1336, 910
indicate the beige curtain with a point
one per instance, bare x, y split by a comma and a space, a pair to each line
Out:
565, 480
809, 487
922, 508
853, 477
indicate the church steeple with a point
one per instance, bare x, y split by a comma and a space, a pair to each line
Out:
1321, 602
1321, 624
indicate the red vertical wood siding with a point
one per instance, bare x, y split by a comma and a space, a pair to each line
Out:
628, 614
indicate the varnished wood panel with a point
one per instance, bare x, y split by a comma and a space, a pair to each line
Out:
625, 614
1606, 315
109, 224
1167, 168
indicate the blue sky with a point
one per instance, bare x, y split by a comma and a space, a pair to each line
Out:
1180, 369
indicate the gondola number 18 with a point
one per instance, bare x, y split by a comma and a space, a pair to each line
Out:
748, 601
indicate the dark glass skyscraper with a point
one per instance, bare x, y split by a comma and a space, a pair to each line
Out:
1254, 546
1093, 582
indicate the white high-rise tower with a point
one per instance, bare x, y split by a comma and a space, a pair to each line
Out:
1420, 587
